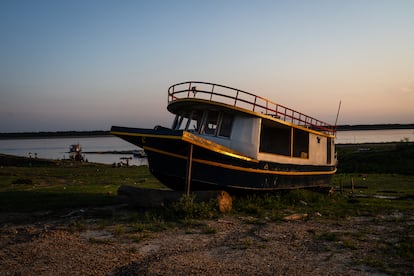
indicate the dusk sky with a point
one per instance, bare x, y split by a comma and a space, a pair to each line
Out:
90, 64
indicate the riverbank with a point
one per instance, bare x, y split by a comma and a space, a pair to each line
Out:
20, 161
374, 127
66, 218
97, 133
229, 245
49, 207
54, 134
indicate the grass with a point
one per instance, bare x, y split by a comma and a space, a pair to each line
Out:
74, 186
67, 185
187, 209
397, 189
375, 183
372, 158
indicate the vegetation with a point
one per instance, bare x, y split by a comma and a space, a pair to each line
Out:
75, 185
379, 194
361, 191
375, 127
376, 158
50, 134
65, 184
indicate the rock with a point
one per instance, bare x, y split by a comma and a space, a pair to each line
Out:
224, 201
295, 217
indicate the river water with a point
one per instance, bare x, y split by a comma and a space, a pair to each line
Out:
374, 136
58, 148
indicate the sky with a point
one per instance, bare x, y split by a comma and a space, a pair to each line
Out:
90, 64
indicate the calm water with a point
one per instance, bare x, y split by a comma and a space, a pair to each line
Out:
57, 148
374, 136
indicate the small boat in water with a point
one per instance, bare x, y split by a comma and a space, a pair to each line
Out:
139, 154
226, 138
75, 152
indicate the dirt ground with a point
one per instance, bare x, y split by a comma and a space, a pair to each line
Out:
230, 245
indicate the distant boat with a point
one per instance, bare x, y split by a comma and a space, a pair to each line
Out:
139, 154
226, 138
75, 152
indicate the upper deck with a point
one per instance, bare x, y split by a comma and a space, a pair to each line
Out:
245, 100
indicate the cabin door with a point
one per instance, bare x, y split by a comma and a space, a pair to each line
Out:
329, 151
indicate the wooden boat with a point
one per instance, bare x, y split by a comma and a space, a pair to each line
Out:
226, 138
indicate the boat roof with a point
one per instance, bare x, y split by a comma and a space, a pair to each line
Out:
186, 94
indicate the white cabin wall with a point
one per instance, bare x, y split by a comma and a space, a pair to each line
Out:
317, 151
245, 135
317, 154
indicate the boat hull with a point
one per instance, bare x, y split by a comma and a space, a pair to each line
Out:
169, 155
171, 171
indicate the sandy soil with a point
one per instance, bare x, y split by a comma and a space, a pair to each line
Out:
227, 246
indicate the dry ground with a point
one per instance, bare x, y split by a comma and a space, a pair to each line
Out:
229, 245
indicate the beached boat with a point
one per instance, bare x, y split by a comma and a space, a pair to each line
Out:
226, 138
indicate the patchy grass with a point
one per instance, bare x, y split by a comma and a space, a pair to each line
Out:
67, 185
187, 209
74, 185
369, 158
375, 193
83, 191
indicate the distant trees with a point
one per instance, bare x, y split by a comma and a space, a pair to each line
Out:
47, 134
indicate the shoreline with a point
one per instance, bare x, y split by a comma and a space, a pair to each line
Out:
106, 133
373, 144
374, 127
52, 134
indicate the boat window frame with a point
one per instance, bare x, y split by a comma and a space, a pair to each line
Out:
288, 138
189, 116
206, 122
228, 129
178, 121
175, 122
300, 143
203, 120
268, 142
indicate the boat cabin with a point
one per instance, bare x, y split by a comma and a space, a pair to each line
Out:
265, 137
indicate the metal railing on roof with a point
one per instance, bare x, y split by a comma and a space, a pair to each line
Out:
242, 99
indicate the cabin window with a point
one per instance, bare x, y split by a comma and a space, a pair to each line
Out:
211, 121
300, 143
177, 121
188, 121
226, 125
275, 139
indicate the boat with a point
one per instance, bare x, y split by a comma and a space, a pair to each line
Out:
75, 152
139, 154
226, 138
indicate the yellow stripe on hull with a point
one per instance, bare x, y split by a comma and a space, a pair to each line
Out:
238, 168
